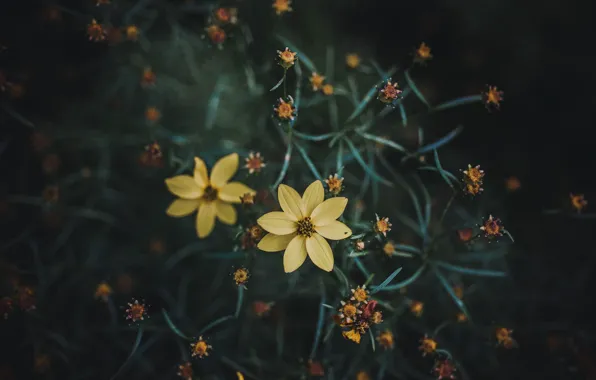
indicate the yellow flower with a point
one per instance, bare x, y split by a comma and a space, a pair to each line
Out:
210, 196
303, 225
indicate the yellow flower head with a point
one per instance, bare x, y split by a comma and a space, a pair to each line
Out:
303, 225
287, 58
422, 54
282, 6
103, 291
316, 81
492, 98
417, 307
211, 196
386, 339
352, 60
578, 202
352, 335
200, 348
328, 89
427, 345
474, 174
492, 227
132, 32
335, 184
389, 248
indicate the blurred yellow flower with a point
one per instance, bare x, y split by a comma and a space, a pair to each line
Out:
303, 226
210, 196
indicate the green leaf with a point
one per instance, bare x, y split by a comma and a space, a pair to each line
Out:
215, 323
471, 271
415, 89
213, 104
279, 83
135, 347
172, 326
364, 165
239, 301
383, 141
407, 281
437, 144
308, 161
388, 280
320, 321
458, 102
451, 292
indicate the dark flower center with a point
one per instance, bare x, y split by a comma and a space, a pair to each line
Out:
210, 194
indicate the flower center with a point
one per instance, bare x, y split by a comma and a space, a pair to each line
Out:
210, 194
305, 227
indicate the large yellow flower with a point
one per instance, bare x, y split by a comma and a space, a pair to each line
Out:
303, 225
211, 196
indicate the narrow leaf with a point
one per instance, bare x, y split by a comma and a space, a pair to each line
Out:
172, 326
402, 113
386, 282
407, 281
320, 321
215, 323
451, 292
440, 169
213, 104
437, 144
239, 301
364, 165
415, 89
458, 102
135, 347
279, 83
308, 161
383, 141
363, 103
471, 271
305, 136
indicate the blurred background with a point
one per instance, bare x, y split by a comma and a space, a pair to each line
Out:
539, 53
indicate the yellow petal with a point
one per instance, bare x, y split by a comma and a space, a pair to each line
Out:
275, 243
232, 191
223, 170
182, 207
277, 222
290, 202
226, 213
335, 230
295, 254
184, 186
206, 219
320, 252
313, 196
200, 174
328, 211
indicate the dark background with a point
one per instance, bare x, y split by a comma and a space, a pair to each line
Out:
539, 53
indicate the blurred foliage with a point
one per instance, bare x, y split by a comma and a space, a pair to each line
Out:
86, 205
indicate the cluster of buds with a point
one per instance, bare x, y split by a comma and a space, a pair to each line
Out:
221, 18
357, 314
473, 179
